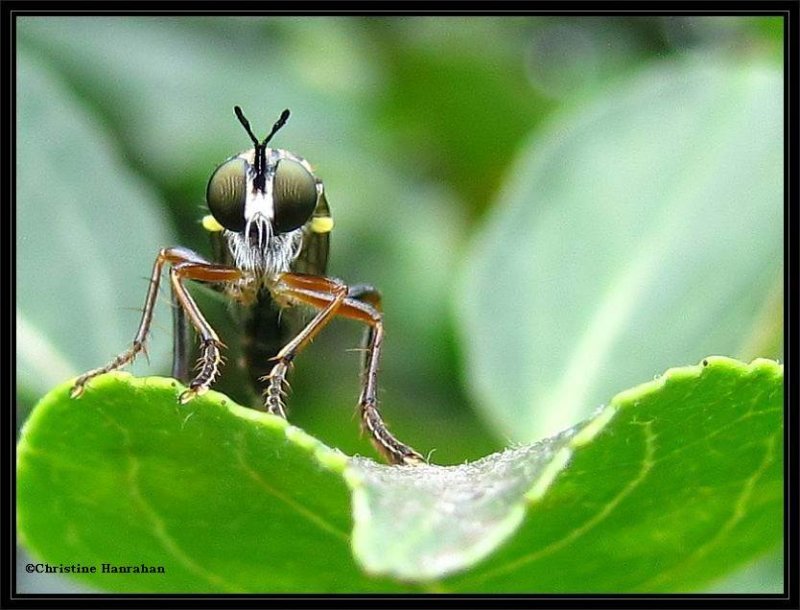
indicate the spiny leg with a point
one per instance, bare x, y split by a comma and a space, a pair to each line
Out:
174, 256
371, 296
361, 303
182, 349
385, 442
335, 293
274, 393
210, 345
141, 334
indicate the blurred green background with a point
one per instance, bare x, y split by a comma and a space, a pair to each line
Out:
424, 131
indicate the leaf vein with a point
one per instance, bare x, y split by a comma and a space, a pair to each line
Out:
159, 527
737, 514
648, 462
293, 504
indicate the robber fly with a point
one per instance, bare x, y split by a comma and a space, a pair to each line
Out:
270, 225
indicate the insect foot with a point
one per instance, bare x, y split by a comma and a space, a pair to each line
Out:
77, 390
118, 362
190, 393
384, 441
273, 395
208, 368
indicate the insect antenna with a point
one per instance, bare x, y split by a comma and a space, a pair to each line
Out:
278, 124
246, 124
259, 182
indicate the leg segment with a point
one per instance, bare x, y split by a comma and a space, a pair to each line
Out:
371, 296
393, 450
335, 293
210, 358
361, 303
185, 265
181, 342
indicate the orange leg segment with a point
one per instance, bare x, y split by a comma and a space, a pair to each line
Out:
185, 264
333, 298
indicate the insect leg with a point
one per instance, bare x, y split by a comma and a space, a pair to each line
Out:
174, 256
210, 344
334, 294
141, 334
372, 296
181, 341
392, 449
361, 303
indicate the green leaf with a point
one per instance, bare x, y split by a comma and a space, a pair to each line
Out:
683, 485
641, 230
673, 484
227, 499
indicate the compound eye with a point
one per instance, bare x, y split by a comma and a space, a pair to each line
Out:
294, 194
226, 194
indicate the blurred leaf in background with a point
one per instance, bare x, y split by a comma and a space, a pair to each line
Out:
645, 230
437, 144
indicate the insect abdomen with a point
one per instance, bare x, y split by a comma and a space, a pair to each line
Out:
266, 330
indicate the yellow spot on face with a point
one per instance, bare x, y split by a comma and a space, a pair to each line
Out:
322, 224
210, 224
